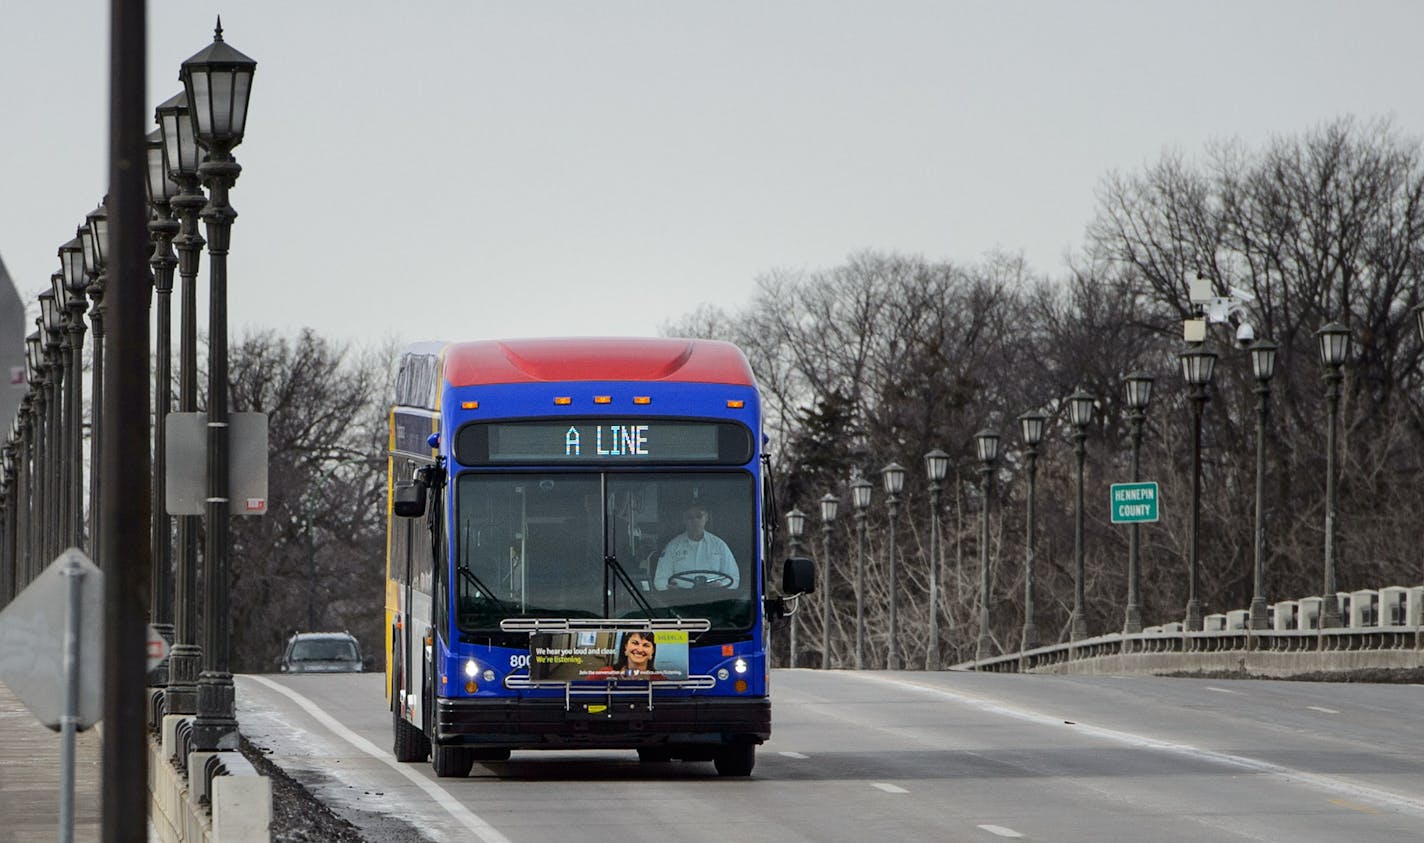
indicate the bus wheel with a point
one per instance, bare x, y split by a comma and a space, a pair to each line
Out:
451, 762
735, 759
409, 741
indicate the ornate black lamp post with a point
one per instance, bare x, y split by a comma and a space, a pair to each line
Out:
893, 478
795, 527
830, 505
860, 490
986, 445
1334, 341
1263, 366
52, 334
1197, 367
71, 270
936, 466
43, 464
1031, 426
95, 239
1080, 414
183, 157
162, 226
217, 81
1139, 395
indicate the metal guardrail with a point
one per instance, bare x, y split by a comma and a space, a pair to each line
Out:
1386, 631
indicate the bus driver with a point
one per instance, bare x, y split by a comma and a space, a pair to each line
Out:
696, 557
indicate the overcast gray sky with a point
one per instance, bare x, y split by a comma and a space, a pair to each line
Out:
451, 170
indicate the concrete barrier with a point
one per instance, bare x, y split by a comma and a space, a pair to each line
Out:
1238, 619
1364, 609
219, 798
1391, 605
1283, 615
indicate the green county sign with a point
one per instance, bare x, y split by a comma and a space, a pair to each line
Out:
1134, 503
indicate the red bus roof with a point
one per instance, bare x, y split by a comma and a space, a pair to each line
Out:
596, 359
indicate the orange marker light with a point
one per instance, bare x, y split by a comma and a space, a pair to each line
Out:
736, 404
563, 400
471, 687
603, 399
740, 685
642, 399
469, 405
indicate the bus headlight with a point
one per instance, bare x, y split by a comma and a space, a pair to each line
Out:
740, 666
472, 669
722, 674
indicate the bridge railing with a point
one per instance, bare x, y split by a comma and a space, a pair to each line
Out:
1386, 631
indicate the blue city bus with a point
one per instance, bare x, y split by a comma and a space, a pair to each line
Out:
577, 532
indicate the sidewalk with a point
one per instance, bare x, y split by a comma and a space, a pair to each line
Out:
29, 778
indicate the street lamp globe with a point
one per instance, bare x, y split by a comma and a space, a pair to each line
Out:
830, 505
48, 317
936, 465
1263, 359
1334, 344
986, 445
1031, 426
1197, 365
161, 186
71, 265
1080, 408
180, 148
796, 523
61, 292
98, 222
1139, 390
217, 81
860, 491
893, 477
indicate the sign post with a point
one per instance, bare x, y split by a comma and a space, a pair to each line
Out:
1133, 503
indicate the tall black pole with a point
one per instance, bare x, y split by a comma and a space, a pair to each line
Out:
826, 595
163, 227
1078, 623
985, 646
933, 656
96, 411
1030, 630
185, 661
892, 652
215, 726
1330, 610
860, 588
1259, 619
1194, 615
1132, 617
125, 462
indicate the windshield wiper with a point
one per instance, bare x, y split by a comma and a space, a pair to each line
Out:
611, 563
481, 590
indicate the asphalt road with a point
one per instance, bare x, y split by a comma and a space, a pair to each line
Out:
906, 756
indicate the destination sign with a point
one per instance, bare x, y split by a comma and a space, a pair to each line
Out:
586, 441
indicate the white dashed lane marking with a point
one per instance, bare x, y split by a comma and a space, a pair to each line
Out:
794, 755
1000, 831
1322, 708
889, 788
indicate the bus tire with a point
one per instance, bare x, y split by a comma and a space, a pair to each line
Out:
451, 762
736, 759
409, 744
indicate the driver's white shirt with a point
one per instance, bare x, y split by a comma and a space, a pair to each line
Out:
707, 554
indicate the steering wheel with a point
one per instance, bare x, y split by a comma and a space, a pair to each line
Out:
692, 579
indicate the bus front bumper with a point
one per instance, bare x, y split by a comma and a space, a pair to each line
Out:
614, 722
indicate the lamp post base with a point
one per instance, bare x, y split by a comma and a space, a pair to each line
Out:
181, 697
1030, 637
1260, 618
215, 726
1193, 622
1132, 622
984, 649
1078, 627
1330, 612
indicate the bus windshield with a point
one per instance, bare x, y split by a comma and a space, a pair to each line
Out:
605, 545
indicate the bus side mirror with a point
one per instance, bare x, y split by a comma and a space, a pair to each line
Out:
409, 501
798, 576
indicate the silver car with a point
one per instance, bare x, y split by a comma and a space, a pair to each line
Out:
321, 652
